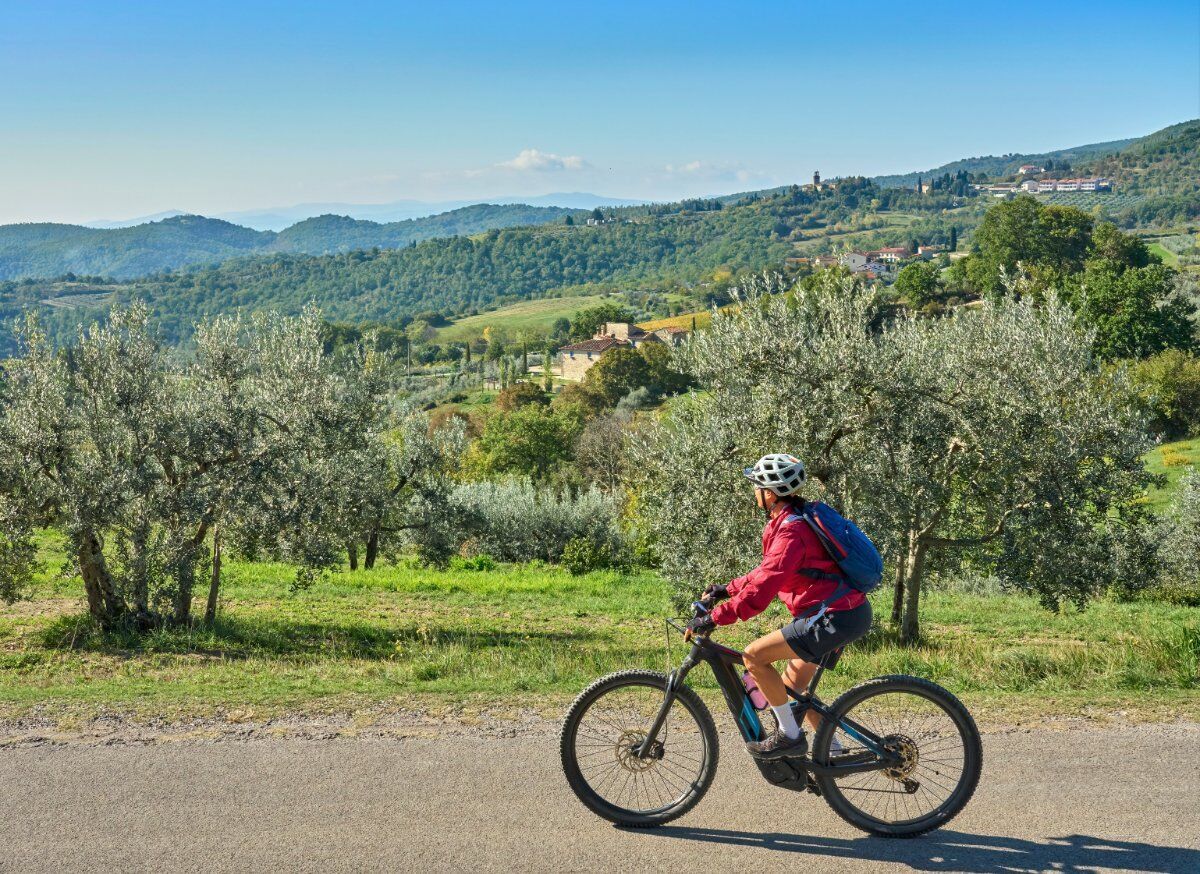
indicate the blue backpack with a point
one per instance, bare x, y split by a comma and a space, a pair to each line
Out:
853, 551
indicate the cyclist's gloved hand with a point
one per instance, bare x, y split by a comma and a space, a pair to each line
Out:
714, 593
698, 626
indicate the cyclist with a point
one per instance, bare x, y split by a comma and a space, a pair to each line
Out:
796, 568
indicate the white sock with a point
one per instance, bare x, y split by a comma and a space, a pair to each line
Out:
787, 720
835, 747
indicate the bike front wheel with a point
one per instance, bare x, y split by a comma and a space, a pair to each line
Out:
606, 726
933, 735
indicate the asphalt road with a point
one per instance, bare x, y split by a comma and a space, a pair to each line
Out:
1080, 800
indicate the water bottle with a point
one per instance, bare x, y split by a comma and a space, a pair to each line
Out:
757, 698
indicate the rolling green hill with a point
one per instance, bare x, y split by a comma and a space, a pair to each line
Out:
1004, 165
652, 249
43, 250
48, 250
1161, 170
1156, 178
463, 275
327, 234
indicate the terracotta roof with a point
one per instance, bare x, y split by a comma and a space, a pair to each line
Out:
674, 329
595, 344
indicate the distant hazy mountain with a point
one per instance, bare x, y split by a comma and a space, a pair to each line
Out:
278, 218
45, 250
106, 224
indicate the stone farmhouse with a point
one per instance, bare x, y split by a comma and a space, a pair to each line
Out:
576, 359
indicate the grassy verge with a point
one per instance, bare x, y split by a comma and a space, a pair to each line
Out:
534, 636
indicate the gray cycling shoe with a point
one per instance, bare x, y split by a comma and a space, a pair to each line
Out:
778, 746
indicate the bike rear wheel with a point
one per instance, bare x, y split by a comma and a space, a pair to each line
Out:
608, 722
937, 740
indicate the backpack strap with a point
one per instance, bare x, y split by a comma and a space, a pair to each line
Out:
817, 609
821, 575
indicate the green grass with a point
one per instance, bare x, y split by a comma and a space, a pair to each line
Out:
530, 315
1173, 460
534, 635
1168, 257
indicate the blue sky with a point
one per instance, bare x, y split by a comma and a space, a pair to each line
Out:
116, 109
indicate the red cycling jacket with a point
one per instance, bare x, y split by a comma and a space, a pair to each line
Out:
789, 545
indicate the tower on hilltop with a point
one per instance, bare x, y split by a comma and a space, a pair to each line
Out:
816, 178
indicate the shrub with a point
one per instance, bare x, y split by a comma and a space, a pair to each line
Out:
584, 554
1177, 594
514, 520
480, 562
1174, 458
520, 394
1179, 537
1169, 386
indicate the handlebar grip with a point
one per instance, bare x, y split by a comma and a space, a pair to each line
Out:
699, 608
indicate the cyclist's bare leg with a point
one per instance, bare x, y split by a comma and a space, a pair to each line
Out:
760, 658
797, 675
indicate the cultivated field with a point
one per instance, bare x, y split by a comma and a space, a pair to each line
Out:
530, 315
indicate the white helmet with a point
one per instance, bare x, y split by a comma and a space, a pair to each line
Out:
782, 474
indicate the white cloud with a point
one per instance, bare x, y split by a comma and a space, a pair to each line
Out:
535, 161
691, 168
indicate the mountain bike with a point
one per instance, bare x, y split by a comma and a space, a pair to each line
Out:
895, 756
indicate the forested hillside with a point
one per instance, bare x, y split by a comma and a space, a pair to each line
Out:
47, 250
459, 275
1163, 169
326, 234
484, 256
43, 250
1006, 165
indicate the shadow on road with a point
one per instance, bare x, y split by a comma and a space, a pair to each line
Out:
945, 850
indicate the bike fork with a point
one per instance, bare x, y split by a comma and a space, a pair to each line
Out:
674, 680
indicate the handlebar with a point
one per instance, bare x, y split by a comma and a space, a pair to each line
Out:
698, 609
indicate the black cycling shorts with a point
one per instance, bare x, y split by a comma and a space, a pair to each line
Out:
813, 645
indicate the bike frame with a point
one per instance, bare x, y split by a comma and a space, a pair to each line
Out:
791, 772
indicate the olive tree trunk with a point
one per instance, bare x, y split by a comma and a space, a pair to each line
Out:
103, 602
372, 549
214, 585
898, 594
910, 627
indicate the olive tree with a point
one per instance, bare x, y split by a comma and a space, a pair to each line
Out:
81, 432
992, 430
139, 458
396, 490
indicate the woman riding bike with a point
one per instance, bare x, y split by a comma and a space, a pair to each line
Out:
796, 568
